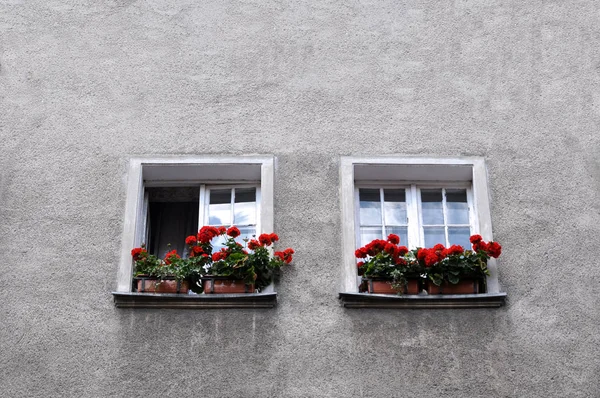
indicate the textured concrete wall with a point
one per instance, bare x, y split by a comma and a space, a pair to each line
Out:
85, 85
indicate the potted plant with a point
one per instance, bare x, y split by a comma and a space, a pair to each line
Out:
236, 268
385, 269
455, 270
154, 275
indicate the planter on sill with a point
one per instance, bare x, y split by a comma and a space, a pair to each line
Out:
225, 285
146, 284
464, 286
384, 286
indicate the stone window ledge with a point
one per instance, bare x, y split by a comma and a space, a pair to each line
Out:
366, 300
194, 301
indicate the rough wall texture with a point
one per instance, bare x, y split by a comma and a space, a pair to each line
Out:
86, 85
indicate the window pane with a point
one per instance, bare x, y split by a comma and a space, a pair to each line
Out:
433, 236
456, 204
459, 236
246, 233
219, 209
394, 206
402, 232
370, 207
218, 243
431, 207
245, 206
243, 195
367, 234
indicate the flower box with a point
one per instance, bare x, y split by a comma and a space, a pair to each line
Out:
384, 286
224, 285
147, 284
464, 286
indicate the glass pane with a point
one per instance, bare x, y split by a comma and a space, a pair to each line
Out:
402, 232
246, 233
218, 243
245, 213
459, 236
245, 206
431, 207
370, 206
433, 236
457, 207
243, 195
219, 209
367, 234
394, 207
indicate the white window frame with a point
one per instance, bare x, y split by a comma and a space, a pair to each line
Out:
206, 166
205, 200
415, 230
409, 171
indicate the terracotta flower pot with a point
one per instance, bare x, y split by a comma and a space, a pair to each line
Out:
168, 285
224, 285
465, 286
384, 286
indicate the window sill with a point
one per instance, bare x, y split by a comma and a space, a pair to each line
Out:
366, 300
192, 301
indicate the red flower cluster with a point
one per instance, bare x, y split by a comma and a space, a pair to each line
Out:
379, 245
170, 256
285, 255
268, 239
207, 233
138, 252
220, 255
493, 249
234, 232
190, 240
395, 239
253, 244
431, 256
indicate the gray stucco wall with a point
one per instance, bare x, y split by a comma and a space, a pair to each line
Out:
86, 85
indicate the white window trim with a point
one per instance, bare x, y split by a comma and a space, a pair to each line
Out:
133, 228
482, 220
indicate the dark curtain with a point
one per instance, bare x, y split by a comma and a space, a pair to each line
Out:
170, 223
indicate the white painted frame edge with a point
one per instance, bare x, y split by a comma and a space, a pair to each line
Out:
134, 199
481, 202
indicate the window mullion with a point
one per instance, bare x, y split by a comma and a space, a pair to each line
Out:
445, 216
231, 211
414, 223
382, 206
202, 206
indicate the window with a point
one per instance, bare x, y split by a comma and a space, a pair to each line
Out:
170, 198
423, 200
437, 214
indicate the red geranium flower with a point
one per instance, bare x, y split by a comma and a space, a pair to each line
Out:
475, 239
431, 258
360, 264
191, 240
265, 239
455, 250
137, 253
197, 250
274, 237
402, 250
494, 249
421, 254
221, 230
392, 238
234, 232
480, 246
253, 244
170, 256
390, 248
